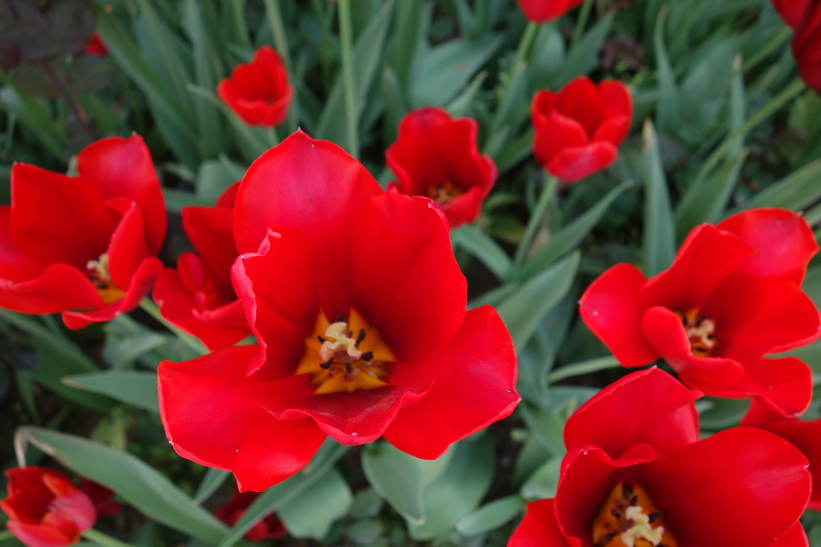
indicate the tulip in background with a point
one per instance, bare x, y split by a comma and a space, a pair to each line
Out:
258, 92
198, 296
579, 128
804, 16
540, 11
44, 508
83, 245
438, 157
364, 334
732, 295
270, 527
636, 473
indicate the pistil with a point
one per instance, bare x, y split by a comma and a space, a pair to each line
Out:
629, 518
700, 332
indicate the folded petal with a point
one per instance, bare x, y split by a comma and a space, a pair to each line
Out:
58, 288
575, 163
539, 528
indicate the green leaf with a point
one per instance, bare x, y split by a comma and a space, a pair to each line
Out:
311, 513
659, 233
491, 516
482, 246
669, 105
584, 367
543, 482
213, 479
397, 477
522, 311
796, 191
131, 387
138, 484
569, 237
583, 56
546, 426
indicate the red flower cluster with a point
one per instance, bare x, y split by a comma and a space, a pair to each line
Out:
269, 527
731, 296
258, 92
359, 309
579, 128
437, 157
636, 473
804, 16
84, 243
540, 11
44, 508
198, 296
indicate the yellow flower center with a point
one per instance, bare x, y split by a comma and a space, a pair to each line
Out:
345, 355
700, 331
444, 193
97, 271
629, 518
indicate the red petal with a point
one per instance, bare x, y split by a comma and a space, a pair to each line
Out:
806, 45
58, 288
127, 249
211, 232
610, 308
539, 528
557, 133
40, 535
783, 239
213, 415
649, 406
122, 167
539, 11
791, 10
474, 386
405, 279
573, 164
582, 101
755, 483
794, 537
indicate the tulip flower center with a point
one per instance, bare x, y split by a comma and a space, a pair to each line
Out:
700, 331
97, 271
345, 355
444, 193
629, 518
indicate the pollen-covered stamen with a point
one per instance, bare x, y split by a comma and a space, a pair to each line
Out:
98, 273
629, 518
700, 332
444, 193
338, 342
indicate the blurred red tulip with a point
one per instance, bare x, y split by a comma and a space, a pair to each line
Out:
258, 92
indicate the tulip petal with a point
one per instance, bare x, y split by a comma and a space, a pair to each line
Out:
475, 385
58, 288
539, 528
576, 163
611, 309
794, 537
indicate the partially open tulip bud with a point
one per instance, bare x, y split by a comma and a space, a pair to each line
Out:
44, 508
258, 92
540, 11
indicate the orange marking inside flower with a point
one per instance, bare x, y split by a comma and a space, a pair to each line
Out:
629, 518
345, 355
444, 193
700, 332
97, 271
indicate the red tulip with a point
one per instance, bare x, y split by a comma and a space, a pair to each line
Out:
84, 243
640, 476
101, 497
198, 296
437, 157
540, 11
95, 46
359, 309
806, 45
579, 128
258, 92
270, 527
731, 296
44, 508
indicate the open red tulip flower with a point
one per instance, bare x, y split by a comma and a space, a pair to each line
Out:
359, 309
731, 296
83, 245
540, 11
636, 474
804, 16
437, 156
44, 508
270, 527
579, 128
198, 296
258, 92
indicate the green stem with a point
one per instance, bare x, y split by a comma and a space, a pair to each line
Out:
273, 137
581, 22
525, 44
346, 37
151, 308
768, 48
548, 190
103, 539
272, 9
793, 90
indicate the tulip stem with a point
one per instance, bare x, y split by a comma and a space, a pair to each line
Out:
151, 308
345, 36
768, 48
548, 191
525, 44
581, 22
274, 13
103, 539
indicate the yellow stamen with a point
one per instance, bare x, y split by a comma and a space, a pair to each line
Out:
97, 271
444, 193
629, 518
700, 331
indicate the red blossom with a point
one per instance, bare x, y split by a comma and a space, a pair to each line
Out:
540, 11
44, 508
270, 527
95, 46
806, 45
359, 309
84, 243
641, 476
101, 497
731, 296
198, 296
579, 128
258, 92
438, 157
